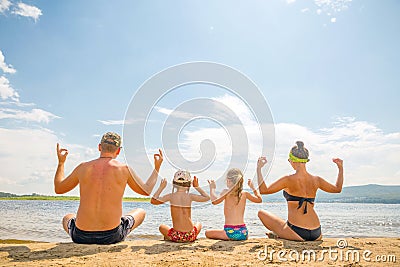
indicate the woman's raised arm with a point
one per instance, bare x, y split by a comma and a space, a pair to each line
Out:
328, 187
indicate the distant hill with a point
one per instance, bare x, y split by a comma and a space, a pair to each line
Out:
372, 193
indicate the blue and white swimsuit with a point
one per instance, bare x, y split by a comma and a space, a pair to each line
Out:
236, 232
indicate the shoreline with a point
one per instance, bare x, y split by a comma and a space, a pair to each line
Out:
147, 199
152, 237
67, 198
205, 252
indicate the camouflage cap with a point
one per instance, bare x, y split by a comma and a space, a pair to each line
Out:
182, 178
112, 139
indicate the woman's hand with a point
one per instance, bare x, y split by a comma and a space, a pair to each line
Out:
338, 162
261, 162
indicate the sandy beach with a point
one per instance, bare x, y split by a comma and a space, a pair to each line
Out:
206, 252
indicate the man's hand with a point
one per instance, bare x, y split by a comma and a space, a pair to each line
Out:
158, 159
261, 162
212, 184
338, 162
195, 182
62, 154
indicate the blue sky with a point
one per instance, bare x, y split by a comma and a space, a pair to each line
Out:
328, 69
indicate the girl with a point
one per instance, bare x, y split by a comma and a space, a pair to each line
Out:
234, 206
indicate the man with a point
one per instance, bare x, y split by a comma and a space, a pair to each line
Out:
102, 184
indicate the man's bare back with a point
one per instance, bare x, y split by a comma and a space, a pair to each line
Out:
102, 184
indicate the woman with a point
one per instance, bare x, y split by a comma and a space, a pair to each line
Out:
299, 190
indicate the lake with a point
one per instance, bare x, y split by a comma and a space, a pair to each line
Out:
41, 220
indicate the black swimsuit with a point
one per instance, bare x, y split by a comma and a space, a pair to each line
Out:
306, 234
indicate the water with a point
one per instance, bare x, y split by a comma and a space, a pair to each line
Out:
41, 220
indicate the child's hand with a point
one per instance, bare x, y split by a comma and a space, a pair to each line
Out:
163, 183
158, 159
338, 162
261, 162
195, 182
251, 185
212, 184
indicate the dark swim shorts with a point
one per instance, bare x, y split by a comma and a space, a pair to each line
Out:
112, 236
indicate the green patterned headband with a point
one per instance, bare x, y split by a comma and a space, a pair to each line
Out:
296, 159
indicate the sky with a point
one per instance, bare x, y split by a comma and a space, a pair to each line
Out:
328, 69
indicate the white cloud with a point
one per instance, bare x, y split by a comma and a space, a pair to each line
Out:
174, 113
6, 91
29, 160
16, 103
241, 135
111, 122
11, 98
118, 122
290, 1
369, 154
35, 115
331, 7
27, 11
4, 5
6, 68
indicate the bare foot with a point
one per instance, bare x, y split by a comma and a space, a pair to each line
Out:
272, 235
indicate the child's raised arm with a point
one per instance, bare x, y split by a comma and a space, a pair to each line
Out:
257, 196
203, 195
156, 199
214, 199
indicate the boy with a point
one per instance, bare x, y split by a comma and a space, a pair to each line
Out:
183, 229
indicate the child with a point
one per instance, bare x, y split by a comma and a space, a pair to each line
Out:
234, 206
183, 229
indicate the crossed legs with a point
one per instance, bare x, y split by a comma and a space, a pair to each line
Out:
137, 214
217, 234
278, 226
164, 229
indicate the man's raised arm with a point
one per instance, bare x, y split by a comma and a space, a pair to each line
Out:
137, 184
61, 184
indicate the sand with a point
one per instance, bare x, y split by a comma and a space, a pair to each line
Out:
205, 252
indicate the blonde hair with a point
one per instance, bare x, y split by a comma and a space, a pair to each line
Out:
236, 177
